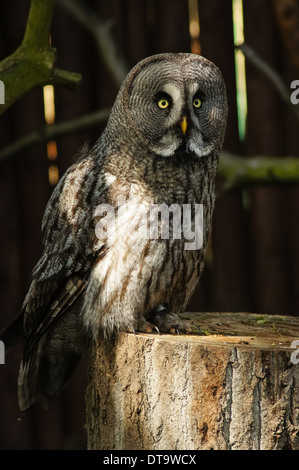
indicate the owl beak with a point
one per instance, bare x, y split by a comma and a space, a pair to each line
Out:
184, 125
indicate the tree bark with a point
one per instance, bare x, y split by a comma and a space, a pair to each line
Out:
237, 387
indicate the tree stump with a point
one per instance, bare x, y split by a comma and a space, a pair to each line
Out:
233, 386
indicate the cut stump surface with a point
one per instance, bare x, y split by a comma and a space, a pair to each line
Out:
233, 385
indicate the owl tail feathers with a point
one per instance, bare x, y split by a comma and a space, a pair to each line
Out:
49, 361
42, 377
28, 392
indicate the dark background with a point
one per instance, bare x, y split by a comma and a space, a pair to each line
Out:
253, 260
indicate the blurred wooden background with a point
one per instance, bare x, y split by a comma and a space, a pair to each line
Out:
253, 261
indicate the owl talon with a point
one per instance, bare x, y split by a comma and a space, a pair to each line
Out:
147, 327
169, 322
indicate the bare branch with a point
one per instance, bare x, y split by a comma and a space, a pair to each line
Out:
238, 171
103, 35
54, 131
273, 76
32, 64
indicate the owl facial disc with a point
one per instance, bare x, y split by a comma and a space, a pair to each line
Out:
178, 106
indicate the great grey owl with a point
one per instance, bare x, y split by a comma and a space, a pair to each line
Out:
105, 264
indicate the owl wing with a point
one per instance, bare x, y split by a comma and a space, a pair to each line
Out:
51, 311
70, 248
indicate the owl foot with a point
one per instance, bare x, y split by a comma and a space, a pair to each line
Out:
145, 326
161, 320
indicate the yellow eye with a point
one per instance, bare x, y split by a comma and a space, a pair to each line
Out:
197, 103
163, 103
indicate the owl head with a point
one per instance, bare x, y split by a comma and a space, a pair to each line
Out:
173, 104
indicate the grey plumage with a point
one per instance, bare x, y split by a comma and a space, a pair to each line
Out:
145, 156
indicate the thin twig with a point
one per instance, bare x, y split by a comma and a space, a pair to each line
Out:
102, 32
273, 76
54, 131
